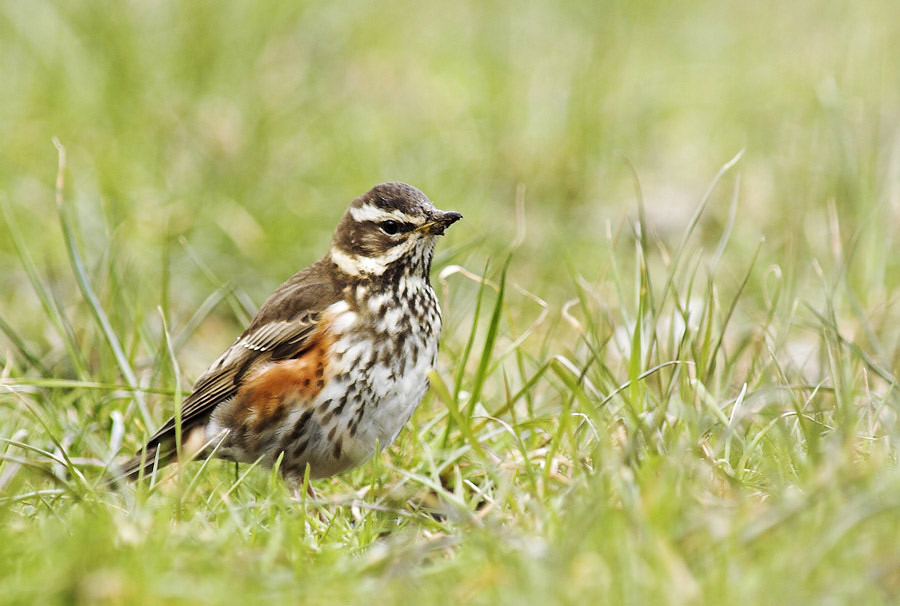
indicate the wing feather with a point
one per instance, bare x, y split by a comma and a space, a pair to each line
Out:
280, 330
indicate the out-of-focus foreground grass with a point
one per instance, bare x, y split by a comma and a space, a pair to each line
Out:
671, 398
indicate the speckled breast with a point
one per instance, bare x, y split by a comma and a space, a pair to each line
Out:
381, 349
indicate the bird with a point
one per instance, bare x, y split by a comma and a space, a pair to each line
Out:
335, 361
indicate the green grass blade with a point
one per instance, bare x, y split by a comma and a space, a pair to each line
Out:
23, 349
52, 311
487, 350
87, 290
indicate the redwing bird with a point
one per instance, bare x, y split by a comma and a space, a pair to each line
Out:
335, 361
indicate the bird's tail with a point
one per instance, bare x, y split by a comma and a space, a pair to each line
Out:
160, 451
143, 464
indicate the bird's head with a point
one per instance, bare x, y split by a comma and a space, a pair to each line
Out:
394, 225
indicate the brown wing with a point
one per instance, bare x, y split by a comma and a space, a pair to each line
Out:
280, 330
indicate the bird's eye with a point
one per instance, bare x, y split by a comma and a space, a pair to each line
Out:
389, 227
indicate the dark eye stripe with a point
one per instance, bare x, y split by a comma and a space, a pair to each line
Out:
391, 227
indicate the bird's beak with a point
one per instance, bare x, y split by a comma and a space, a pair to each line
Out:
439, 221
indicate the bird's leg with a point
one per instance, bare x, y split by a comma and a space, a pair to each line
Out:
310, 491
297, 496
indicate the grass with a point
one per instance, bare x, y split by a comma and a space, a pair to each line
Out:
668, 368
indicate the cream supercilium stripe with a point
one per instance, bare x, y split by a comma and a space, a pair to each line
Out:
368, 212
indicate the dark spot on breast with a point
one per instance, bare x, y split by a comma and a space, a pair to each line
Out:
332, 432
352, 391
305, 417
300, 427
299, 449
385, 355
337, 448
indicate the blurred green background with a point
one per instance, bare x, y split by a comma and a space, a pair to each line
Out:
243, 129
246, 127
212, 142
